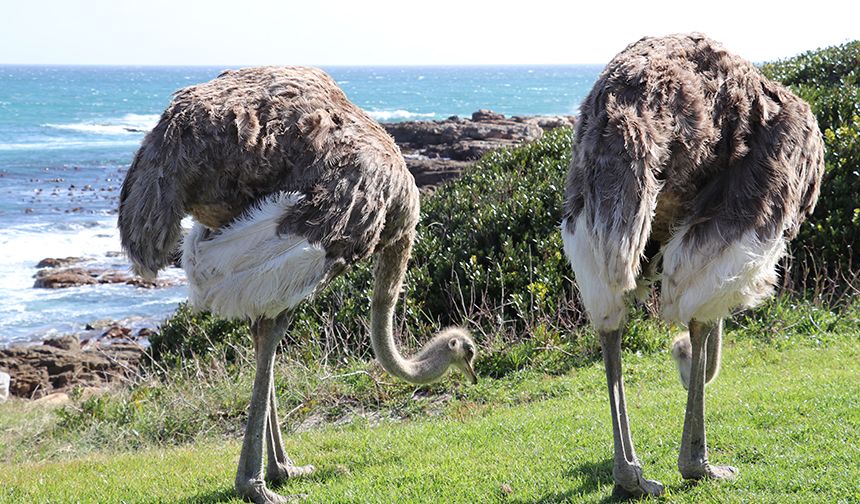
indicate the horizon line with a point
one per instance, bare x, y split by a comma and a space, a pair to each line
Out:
380, 65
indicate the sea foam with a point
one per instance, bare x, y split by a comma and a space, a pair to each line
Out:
60, 144
399, 114
31, 313
129, 124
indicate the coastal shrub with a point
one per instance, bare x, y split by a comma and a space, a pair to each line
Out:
828, 247
492, 237
187, 334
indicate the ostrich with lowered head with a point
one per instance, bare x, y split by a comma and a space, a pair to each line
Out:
689, 161
289, 184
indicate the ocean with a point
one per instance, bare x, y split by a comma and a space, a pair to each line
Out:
68, 133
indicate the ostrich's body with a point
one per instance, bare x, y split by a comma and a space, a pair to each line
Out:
688, 147
290, 184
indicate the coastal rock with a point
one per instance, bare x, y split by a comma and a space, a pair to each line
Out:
68, 277
57, 365
61, 278
429, 173
117, 331
487, 115
436, 151
57, 262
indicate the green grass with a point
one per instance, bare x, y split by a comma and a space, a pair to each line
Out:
788, 416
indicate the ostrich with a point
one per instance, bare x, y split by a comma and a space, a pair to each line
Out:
689, 162
289, 184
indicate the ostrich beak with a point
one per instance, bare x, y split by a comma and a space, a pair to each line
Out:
470, 372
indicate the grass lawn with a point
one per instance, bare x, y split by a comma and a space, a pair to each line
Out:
788, 418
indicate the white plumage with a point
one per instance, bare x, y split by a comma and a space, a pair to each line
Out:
604, 304
247, 269
705, 287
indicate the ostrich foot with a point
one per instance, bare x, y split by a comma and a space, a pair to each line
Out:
279, 473
630, 483
708, 471
255, 491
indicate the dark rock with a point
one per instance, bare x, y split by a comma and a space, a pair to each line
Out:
67, 342
55, 262
117, 332
59, 279
151, 284
431, 146
487, 115
429, 173
145, 332
469, 139
56, 365
114, 277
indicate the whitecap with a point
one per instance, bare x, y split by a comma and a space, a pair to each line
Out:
129, 124
391, 115
66, 144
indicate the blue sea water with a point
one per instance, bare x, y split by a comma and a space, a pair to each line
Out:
67, 135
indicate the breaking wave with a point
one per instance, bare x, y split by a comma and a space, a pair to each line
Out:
398, 115
129, 124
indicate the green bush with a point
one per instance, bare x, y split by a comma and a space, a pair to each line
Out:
187, 334
491, 239
829, 79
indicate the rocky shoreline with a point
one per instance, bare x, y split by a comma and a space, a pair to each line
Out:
59, 364
61, 273
103, 353
108, 352
436, 151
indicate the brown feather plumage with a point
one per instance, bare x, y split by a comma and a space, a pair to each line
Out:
223, 145
676, 132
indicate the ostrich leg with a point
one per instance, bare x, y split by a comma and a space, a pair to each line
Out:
249, 477
714, 351
682, 352
693, 458
279, 467
626, 471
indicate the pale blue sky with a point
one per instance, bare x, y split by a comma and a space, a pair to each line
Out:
320, 32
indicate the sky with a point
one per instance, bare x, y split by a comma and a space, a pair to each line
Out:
403, 32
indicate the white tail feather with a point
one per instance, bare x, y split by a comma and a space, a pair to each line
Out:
247, 269
605, 305
705, 286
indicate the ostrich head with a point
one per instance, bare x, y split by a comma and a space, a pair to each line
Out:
452, 347
463, 351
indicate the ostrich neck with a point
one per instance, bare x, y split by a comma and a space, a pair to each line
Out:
430, 363
427, 367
